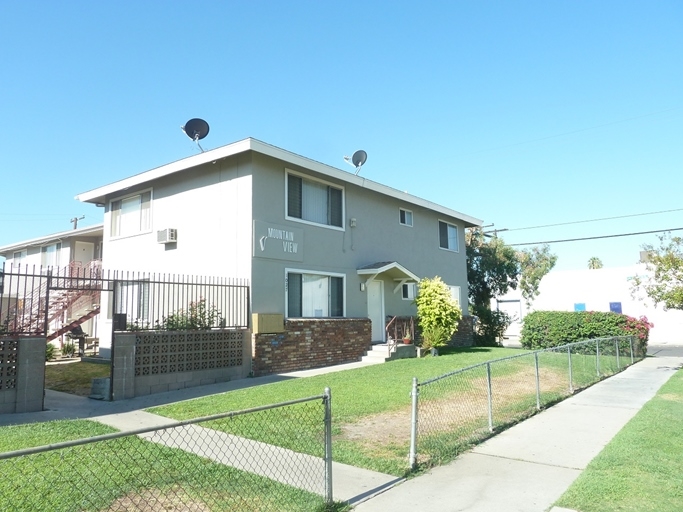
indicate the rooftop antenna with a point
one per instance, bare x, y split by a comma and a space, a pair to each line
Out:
357, 160
196, 129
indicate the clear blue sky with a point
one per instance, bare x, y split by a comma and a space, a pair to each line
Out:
519, 113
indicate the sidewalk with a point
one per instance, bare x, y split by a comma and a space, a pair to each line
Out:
528, 467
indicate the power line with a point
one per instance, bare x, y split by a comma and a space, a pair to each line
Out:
597, 237
594, 220
574, 131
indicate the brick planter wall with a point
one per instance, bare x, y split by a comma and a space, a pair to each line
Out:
464, 336
311, 343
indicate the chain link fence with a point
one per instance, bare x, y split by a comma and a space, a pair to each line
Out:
276, 457
452, 412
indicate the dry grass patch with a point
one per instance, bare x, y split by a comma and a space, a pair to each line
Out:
457, 410
155, 500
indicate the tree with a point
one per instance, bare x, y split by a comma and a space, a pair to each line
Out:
665, 284
535, 263
437, 312
492, 270
594, 263
492, 267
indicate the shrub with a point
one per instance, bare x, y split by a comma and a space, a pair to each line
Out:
197, 317
437, 312
490, 327
68, 349
49, 352
434, 336
543, 329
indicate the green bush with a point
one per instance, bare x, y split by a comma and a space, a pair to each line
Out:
68, 349
489, 327
543, 329
438, 314
49, 352
198, 316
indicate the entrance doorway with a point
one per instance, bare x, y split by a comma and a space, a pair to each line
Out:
375, 290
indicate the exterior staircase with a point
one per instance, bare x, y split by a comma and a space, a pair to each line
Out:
75, 323
74, 289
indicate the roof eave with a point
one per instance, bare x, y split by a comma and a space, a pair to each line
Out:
44, 240
99, 195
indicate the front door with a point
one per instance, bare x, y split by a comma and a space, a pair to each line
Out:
375, 291
84, 252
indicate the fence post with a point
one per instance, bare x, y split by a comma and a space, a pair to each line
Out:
597, 356
490, 395
329, 497
413, 426
538, 383
48, 285
571, 379
631, 345
616, 346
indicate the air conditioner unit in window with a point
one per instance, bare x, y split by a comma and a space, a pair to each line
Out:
167, 236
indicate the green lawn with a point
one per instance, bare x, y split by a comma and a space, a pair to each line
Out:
128, 474
75, 378
641, 469
370, 407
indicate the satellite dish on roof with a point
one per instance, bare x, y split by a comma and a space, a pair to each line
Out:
196, 129
357, 160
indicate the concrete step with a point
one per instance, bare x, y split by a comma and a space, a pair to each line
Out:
377, 354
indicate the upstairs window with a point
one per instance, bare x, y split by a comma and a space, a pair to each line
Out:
405, 217
49, 255
19, 257
314, 295
314, 201
448, 236
131, 215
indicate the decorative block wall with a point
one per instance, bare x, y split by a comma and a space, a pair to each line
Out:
22, 374
157, 361
311, 343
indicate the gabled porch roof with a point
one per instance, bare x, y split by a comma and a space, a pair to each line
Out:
391, 269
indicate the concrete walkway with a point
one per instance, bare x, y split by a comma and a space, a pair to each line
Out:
528, 467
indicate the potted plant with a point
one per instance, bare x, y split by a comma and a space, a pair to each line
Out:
407, 337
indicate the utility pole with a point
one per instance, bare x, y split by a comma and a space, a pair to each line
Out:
76, 219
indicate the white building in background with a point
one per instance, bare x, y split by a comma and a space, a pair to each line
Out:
605, 289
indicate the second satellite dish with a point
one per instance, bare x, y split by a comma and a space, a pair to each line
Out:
357, 160
196, 129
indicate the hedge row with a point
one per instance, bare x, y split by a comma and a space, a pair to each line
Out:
543, 329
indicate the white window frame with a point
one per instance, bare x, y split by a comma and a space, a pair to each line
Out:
306, 177
19, 257
457, 236
133, 299
142, 229
44, 250
455, 293
406, 212
316, 273
408, 291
